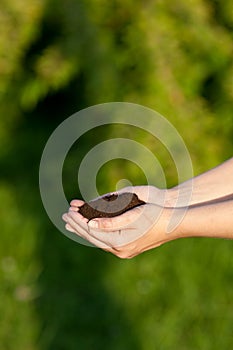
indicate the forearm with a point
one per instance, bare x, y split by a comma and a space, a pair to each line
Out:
215, 183
212, 220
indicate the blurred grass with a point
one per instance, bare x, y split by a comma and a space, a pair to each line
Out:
55, 294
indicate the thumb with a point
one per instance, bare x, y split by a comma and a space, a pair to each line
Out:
116, 222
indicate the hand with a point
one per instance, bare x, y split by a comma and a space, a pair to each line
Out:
126, 235
149, 194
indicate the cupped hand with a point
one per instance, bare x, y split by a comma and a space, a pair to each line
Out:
126, 235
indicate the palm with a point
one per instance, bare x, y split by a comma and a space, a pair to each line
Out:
122, 235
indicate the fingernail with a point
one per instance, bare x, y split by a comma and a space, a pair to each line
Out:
73, 209
93, 223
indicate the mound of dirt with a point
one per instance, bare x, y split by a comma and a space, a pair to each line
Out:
110, 205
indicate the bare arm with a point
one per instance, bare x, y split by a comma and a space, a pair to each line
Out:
211, 220
213, 184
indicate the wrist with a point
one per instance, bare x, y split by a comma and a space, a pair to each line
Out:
161, 232
180, 196
171, 196
174, 223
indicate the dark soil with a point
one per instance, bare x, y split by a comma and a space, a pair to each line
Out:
110, 205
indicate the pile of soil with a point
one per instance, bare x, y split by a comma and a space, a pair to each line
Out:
110, 205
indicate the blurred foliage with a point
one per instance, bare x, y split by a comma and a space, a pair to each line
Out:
57, 57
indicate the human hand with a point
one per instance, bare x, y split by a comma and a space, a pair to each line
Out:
126, 235
162, 197
148, 194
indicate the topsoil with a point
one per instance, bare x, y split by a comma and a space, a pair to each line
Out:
108, 206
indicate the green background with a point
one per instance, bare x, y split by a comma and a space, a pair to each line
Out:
58, 57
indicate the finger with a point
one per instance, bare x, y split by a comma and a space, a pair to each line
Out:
144, 193
70, 228
116, 222
77, 222
76, 203
64, 217
80, 231
108, 240
78, 218
73, 209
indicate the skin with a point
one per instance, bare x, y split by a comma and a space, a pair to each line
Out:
209, 213
209, 186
